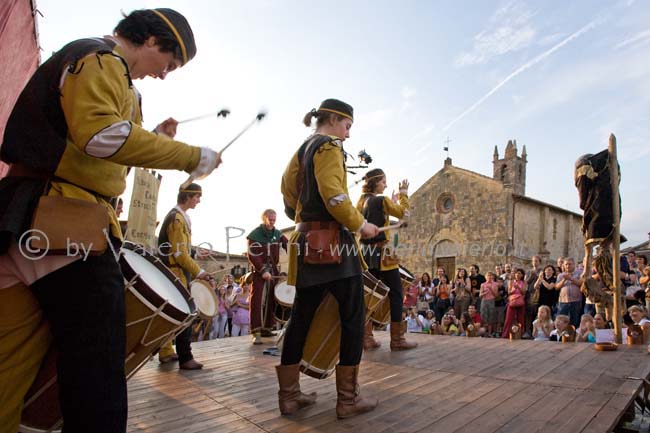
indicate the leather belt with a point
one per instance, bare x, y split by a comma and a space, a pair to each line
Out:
21, 170
317, 225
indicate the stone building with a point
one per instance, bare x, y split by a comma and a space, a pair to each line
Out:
461, 218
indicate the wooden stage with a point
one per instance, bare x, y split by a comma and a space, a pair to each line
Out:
447, 384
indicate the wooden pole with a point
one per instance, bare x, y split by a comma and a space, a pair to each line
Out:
616, 242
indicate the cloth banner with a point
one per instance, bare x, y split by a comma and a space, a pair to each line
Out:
142, 209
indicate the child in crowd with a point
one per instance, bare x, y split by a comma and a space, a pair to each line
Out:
447, 327
543, 325
561, 327
586, 332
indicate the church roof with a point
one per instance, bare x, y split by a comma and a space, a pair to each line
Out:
539, 202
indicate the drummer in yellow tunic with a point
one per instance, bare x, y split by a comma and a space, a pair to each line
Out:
314, 187
73, 132
379, 252
174, 248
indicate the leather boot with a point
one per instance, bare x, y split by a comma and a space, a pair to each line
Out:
397, 340
290, 399
369, 342
349, 402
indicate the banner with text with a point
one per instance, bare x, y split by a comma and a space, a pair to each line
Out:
142, 210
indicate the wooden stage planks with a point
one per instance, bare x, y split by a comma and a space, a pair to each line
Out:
447, 384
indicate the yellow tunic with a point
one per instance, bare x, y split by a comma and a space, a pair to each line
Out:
180, 259
93, 99
331, 177
397, 210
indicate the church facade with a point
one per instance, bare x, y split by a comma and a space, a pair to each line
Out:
460, 218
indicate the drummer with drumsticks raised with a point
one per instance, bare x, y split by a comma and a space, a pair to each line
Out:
73, 132
380, 255
323, 257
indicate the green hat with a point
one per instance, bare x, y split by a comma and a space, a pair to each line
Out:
337, 107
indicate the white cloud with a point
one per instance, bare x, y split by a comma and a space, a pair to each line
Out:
639, 38
509, 29
518, 71
408, 92
551, 39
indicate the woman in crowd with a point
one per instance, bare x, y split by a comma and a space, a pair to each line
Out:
586, 332
412, 293
426, 291
461, 291
516, 302
442, 293
545, 283
543, 325
488, 293
219, 322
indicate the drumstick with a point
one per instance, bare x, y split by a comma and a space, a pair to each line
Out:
221, 113
391, 227
258, 118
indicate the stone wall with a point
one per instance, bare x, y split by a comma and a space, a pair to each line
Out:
473, 229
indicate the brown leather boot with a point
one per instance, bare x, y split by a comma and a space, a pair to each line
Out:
350, 402
290, 399
369, 342
397, 340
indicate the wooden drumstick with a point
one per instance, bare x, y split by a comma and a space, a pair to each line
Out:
392, 226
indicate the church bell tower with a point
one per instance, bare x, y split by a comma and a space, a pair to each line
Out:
511, 169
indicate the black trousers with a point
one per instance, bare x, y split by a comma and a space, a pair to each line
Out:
352, 310
84, 302
183, 346
395, 296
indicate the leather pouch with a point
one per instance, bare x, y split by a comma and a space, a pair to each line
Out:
322, 247
388, 255
68, 226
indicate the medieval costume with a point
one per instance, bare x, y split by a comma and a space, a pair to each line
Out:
314, 186
263, 255
72, 133
174, 247
380, 256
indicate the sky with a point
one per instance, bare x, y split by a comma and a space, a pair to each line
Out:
557, 76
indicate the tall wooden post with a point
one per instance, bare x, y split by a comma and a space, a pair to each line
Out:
616, 243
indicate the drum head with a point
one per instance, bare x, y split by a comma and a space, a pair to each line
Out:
285, 293
204, 297
155, 279
406, 274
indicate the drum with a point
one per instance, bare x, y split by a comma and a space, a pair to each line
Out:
321, 351
381, 316
157, 308
205, 299
284, 295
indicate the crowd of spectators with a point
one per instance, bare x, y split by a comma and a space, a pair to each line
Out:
542, 302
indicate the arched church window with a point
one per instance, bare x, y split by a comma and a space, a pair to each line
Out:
503, 173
